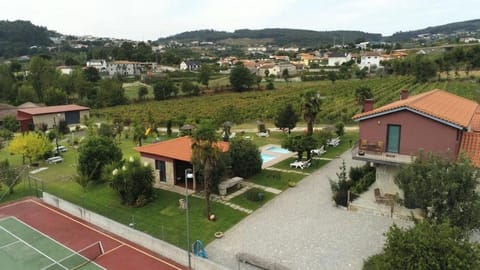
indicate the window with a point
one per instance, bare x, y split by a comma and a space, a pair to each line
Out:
160, 166
393, 138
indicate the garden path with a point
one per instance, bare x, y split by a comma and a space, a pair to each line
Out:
301, 229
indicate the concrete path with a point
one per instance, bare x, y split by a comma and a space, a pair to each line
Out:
301, 229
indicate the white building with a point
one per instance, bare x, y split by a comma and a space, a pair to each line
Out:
99, 64
189, 65
278, 69
129, 68
370, 60
338, 58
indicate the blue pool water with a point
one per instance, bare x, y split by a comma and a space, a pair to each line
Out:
266, 158
277, 149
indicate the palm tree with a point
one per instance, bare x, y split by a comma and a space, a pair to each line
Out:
205, 154
310, 107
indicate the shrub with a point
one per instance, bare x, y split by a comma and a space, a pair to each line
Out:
358, 181
340, 128
245, 158
255, 195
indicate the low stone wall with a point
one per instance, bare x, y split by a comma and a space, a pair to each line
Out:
161, 247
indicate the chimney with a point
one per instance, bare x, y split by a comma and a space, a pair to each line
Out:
404, 94
367, 105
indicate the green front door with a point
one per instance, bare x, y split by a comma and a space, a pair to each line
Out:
393, 138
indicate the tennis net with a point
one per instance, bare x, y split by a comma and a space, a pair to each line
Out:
79, 258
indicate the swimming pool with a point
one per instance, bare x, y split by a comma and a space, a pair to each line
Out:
267, 158
277, 149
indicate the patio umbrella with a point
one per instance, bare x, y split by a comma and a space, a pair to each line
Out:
186, 127
228, 124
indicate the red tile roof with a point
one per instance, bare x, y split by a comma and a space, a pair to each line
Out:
470, 145
53, 109
179, 148
435, 103
475, 123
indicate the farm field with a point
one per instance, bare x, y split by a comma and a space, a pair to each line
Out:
338, 100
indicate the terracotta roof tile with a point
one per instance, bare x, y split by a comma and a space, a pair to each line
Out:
470, 145
475, 124
436, 103
53, 109
179, 148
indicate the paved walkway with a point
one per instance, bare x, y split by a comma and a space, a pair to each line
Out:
246, 186
301, 229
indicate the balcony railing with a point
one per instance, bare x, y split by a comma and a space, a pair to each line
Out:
379, 156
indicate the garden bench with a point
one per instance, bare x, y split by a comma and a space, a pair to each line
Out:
223, 186
54, 160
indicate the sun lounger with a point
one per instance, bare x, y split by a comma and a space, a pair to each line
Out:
333, 142
296, 164
318, 152
305, 164
54, 160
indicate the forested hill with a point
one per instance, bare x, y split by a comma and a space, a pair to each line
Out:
278, 36
18, 36
446, 29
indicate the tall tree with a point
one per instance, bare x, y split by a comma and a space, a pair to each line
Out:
42, 74
142, 92
164, 89
286, 118
445, 189
245, 158
132, 180
241, 78
206, 154
93, 154
7, 84
91, 74
8, 175
110, 93
30, 145
26, 93
362, 93
310, 107
204, 75
55, 96
426, 246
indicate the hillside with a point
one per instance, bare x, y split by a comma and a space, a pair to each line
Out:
279, 36
446, 29
16, 37
338, 101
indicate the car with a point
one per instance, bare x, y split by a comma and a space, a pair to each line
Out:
54, 160
60, 148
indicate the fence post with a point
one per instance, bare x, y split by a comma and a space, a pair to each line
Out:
348, 199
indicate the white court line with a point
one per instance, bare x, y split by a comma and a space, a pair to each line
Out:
10, 244
44, 235
32, 247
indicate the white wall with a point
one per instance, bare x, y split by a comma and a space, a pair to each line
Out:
163, 248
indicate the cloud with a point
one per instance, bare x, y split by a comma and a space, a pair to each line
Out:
150, 19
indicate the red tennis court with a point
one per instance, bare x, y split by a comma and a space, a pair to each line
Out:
76, 234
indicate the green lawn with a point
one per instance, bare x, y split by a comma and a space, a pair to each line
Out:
347, 140
246, 203
131, 90
275, 179
161, 218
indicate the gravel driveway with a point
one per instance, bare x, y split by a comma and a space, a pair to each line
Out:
301, 229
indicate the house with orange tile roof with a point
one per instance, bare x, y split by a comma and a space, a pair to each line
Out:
435, 122
33, 117
170, 159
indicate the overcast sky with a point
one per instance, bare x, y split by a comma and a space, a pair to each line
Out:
151, 19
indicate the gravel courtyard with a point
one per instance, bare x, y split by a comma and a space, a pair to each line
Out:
301, 229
